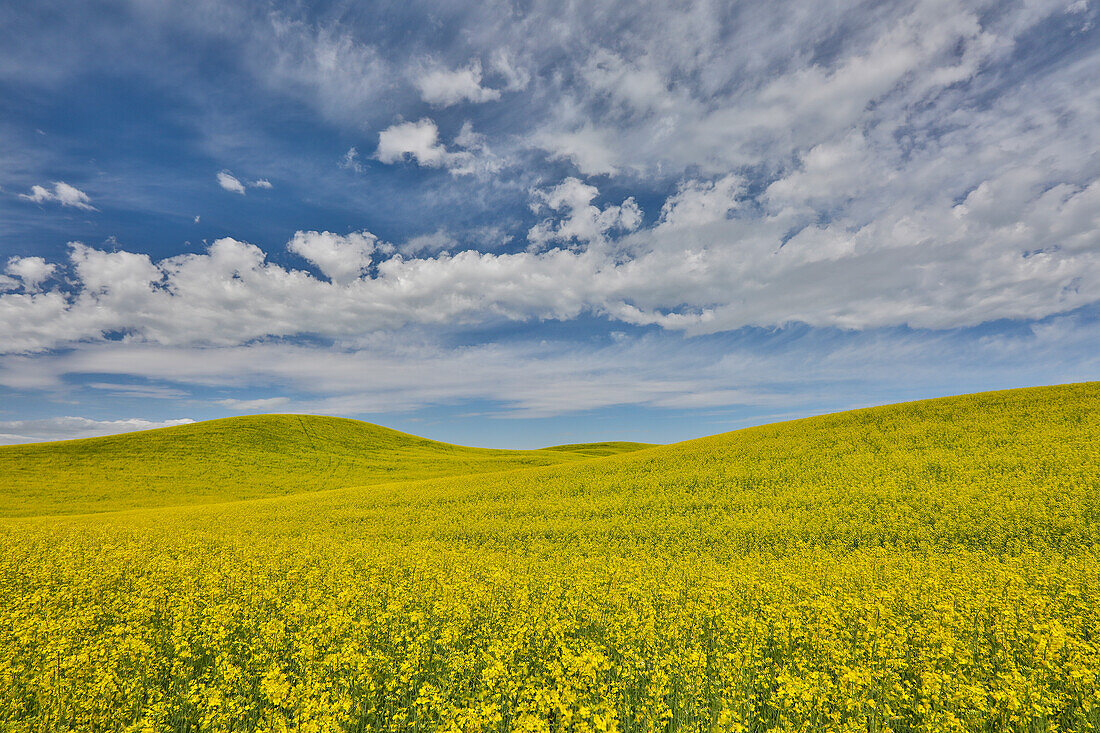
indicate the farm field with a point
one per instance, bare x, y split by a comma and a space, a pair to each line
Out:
240, 458
928, 566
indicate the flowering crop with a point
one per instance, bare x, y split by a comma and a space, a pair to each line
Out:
933, 566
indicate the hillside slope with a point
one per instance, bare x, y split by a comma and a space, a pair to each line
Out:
924, 566
997, 471
1000, 471
238, 458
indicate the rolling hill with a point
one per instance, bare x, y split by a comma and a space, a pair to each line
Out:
240, 458
932, 565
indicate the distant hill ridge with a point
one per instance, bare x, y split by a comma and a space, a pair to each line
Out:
1014, 464
238, 458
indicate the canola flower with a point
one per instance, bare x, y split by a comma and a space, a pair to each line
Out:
923, 567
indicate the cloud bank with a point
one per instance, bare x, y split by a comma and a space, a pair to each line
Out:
1011, 248
70, 428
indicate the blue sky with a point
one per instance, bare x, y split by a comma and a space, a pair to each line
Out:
524, 224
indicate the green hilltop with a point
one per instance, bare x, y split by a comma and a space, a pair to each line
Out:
998, 471
240, 458
976, 469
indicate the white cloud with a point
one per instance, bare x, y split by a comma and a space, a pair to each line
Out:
539, 379
31, 271
516, 78
698, 203
589, 148
62, 193
428, 244
920, 165
351, 160
581, 222
420, 142
143, 391
68, 195
909, 169
445, 87
265, 403
342, 258
69, 428
1014, 248
693, 91
326, 65
636, 86
474, 156
830, 174
230, 183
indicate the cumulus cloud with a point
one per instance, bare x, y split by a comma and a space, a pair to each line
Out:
341, 258
31, 271
69, 428
800, 163
419, 141
706, 90
698, 203
1014, 247
445, 87
636, 86
913, 170
261, 183
230, 182
580, 220
62, 193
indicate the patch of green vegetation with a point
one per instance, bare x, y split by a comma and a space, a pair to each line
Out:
612, 448
239, 458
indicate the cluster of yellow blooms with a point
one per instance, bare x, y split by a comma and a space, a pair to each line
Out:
919, 573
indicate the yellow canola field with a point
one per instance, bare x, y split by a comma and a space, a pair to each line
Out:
933, 566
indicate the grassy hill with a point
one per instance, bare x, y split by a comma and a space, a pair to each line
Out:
239, 458
1000, 471
933, 565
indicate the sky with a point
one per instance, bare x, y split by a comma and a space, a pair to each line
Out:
518, 224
